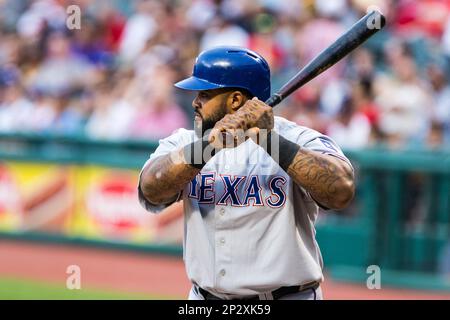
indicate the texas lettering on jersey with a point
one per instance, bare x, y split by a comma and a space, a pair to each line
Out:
238, 191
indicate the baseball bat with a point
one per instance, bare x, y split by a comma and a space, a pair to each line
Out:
362, 30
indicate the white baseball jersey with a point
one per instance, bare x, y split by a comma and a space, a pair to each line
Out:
249, 228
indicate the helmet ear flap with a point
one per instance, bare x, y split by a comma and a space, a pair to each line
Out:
230, 67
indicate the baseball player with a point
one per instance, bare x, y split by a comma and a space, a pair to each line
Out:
250, 201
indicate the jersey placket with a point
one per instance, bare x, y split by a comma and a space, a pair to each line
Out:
223, 249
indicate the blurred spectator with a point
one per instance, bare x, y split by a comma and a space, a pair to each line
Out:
113, 78
61, 71
362, 94
435, 136
421, 18
140, 27
362, 65
326, 8
44, 113
15, 108
303, 109
263, 41
201, 13
110, 21
113, 112
69, 119
157, 113
440, 90
92, 45
403, 99
446, 40
351, 129
224, 33
316, 35
332, 97
40, 14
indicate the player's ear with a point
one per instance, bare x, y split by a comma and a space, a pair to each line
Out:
236, 99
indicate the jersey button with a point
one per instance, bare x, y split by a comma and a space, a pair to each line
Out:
222, 241
222, 272
222, 211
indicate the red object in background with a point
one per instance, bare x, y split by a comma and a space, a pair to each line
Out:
114, 26
371, 111
308, 95
266, 46
426, 16
113, 204
117, 188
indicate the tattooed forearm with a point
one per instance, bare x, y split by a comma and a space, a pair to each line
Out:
329, 180
164, 177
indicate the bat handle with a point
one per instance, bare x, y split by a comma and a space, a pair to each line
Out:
274, 100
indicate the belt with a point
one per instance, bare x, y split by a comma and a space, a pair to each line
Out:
276, 294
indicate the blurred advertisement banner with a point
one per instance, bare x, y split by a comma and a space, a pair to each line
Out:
91, 202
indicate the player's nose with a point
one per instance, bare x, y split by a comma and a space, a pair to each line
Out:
196, 103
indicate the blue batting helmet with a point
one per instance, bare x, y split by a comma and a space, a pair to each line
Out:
230, 67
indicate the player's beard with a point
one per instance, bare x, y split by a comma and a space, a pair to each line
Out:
205, 124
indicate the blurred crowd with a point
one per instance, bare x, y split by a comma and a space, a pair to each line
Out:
113, 78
